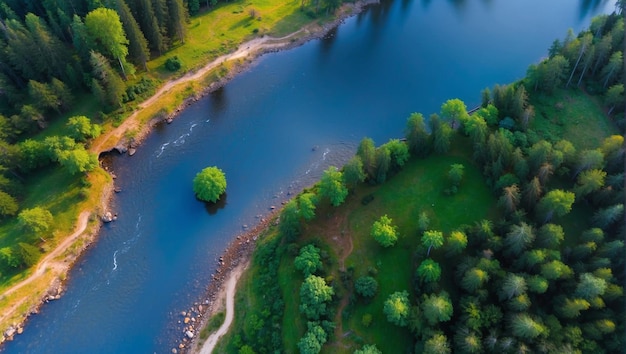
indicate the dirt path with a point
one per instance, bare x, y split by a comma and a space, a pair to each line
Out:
231, 285
48, 262
246, 49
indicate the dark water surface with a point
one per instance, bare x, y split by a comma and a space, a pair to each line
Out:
364, 79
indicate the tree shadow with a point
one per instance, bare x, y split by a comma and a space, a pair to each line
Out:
213, 208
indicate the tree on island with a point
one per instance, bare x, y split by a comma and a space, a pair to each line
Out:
209, 184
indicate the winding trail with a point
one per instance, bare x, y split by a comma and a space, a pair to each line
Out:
48, 262
231, 285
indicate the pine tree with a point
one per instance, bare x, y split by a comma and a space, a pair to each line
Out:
137, 43
177, 20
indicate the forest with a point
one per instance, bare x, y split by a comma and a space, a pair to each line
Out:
499, 231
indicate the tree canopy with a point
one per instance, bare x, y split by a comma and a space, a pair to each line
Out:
384, 232
209, 184
397, 308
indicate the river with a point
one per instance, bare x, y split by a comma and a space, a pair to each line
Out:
273, 130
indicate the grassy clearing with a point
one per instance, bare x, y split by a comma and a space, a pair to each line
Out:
221, 30
571, 115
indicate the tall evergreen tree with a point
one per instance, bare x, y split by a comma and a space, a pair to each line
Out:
177, 20
137, 43
150, 25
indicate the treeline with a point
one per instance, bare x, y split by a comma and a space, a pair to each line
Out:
519, 283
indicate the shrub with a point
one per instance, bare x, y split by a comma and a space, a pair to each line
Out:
366, 286
209, 184
173, 64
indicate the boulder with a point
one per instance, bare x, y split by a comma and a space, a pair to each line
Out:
10, 332
107, 217
189, 334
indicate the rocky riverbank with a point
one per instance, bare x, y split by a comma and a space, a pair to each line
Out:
239, 251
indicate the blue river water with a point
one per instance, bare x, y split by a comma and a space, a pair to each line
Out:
273, 130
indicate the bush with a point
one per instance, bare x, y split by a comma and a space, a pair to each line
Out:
366, 286
173, 64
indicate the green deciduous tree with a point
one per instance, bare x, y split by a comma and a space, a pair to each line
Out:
8, 204
332, 187
309, 260
10, 258
105, 30
384, 232
399, 153
589, 181
437, 308
36, 220
209, 184
437, 344
456, 242
307, 203
368, 349
455, 111
314, 294
366, 286
77, 160
428, 271
80, 128
397, 307
557, 202
313, 339
432, 239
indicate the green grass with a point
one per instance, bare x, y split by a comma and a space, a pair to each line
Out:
213, 325
221, 30
294, 325
572, 115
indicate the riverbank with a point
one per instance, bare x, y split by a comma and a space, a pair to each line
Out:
241, 59
126, 138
